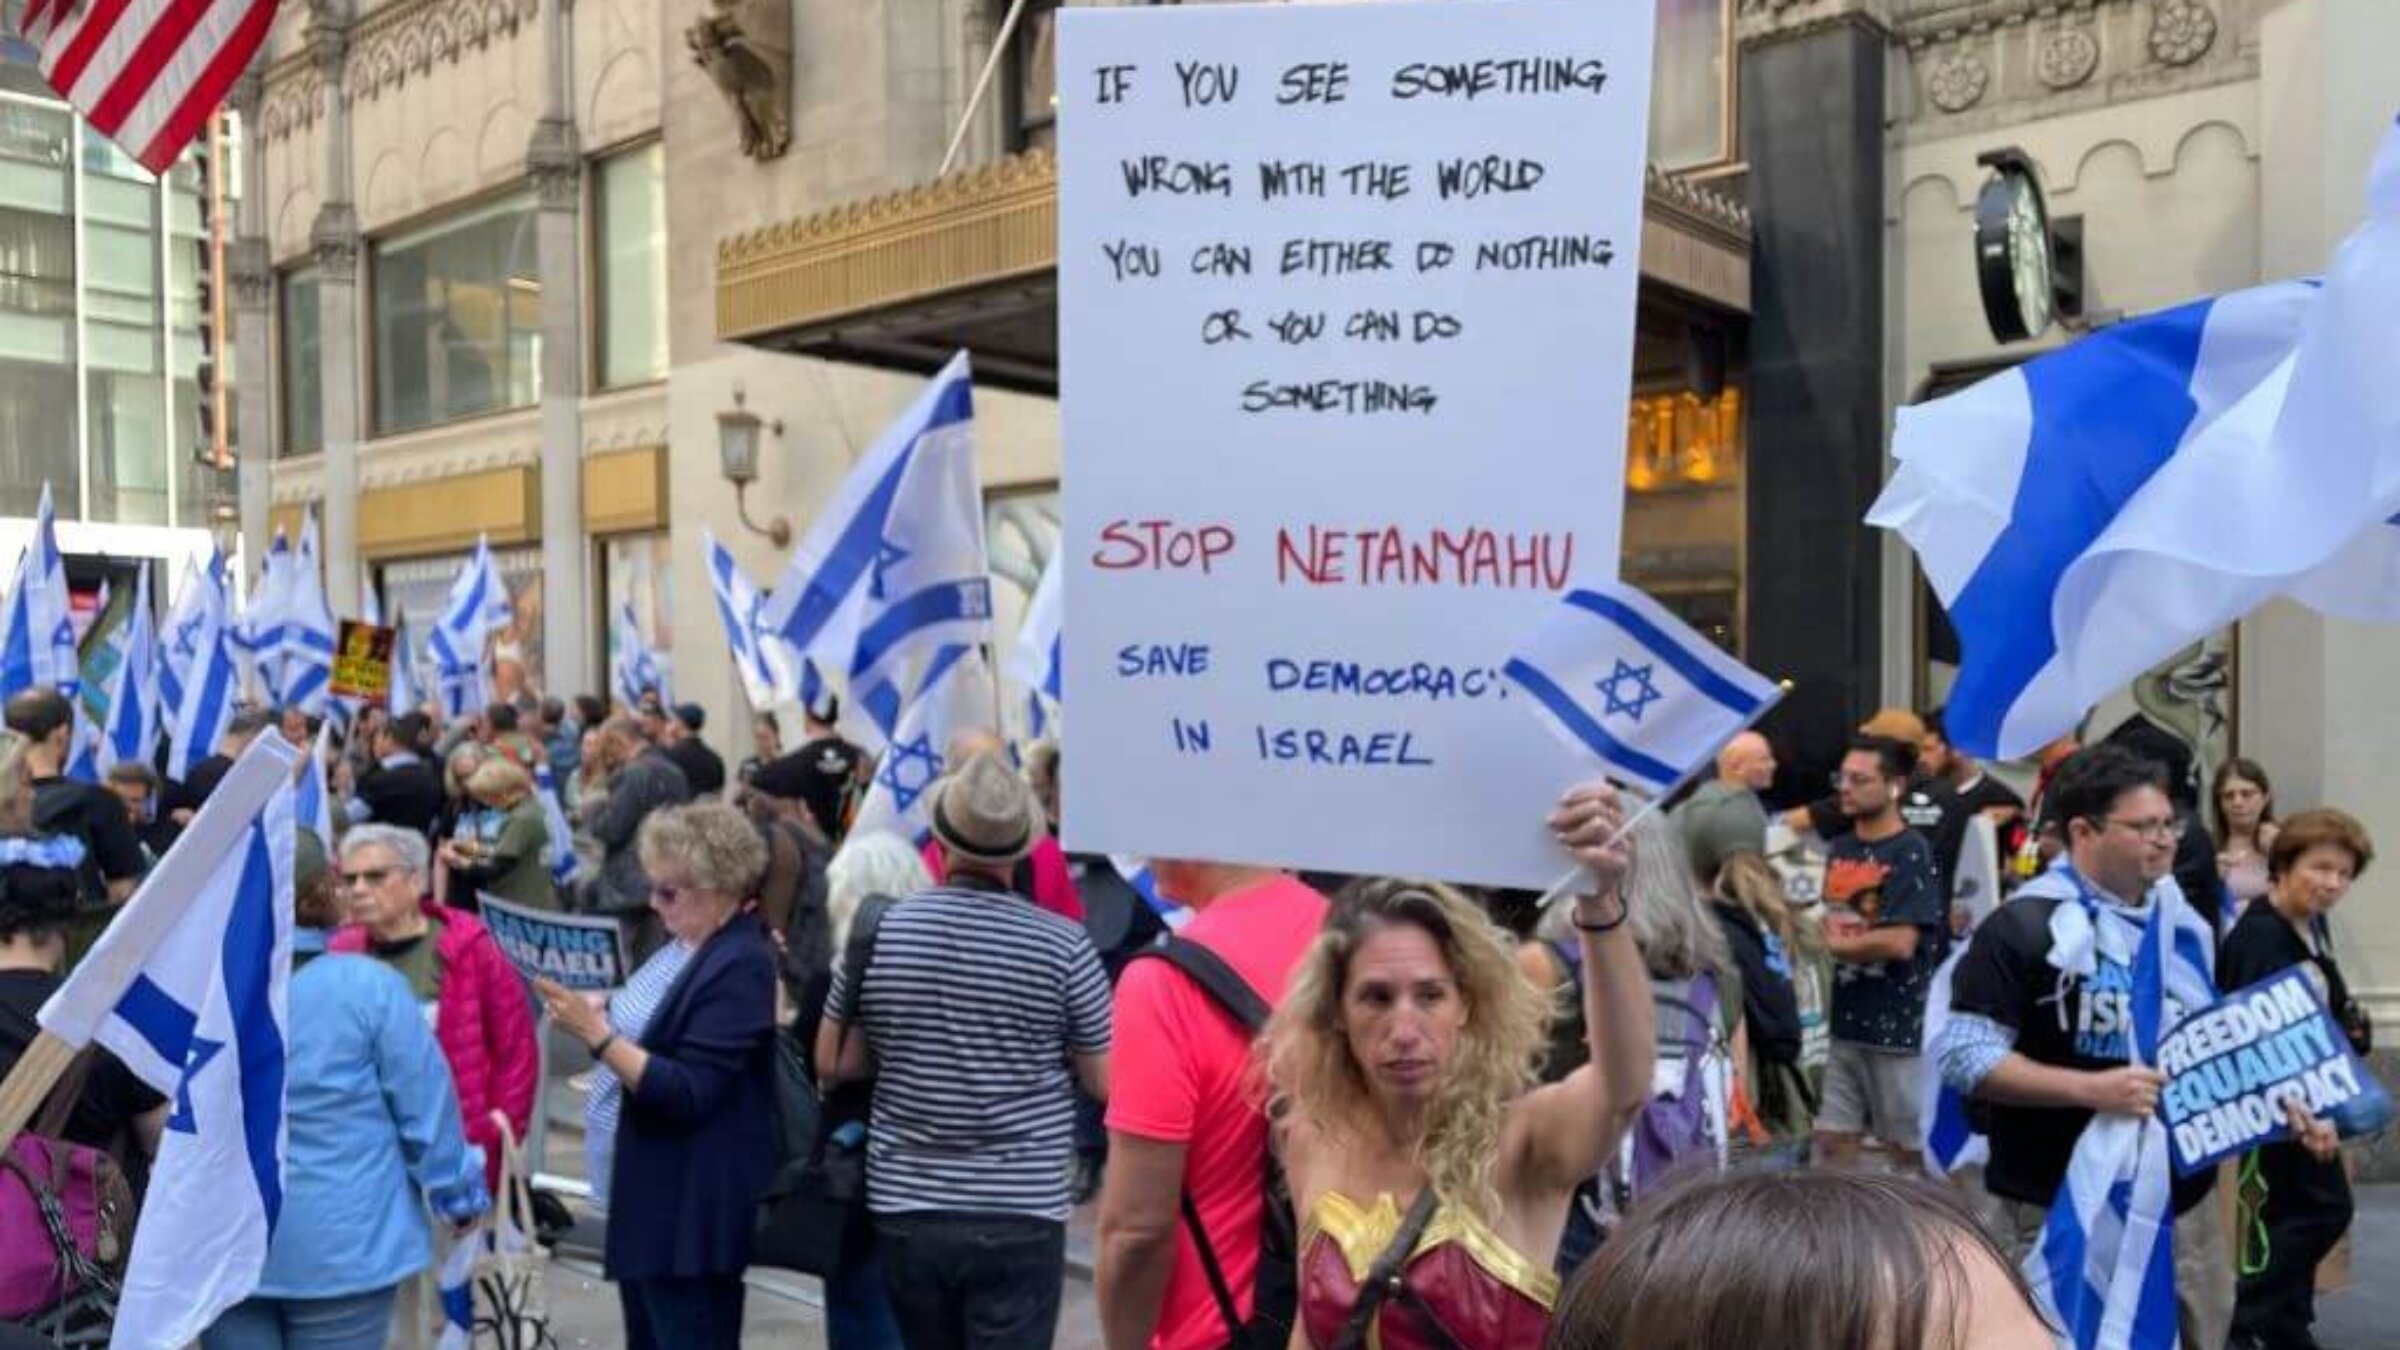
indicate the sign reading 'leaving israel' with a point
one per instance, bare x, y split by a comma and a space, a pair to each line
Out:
1346, 299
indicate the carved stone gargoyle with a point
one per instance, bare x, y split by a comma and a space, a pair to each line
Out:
746, 48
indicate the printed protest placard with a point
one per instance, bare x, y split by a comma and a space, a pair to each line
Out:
362, 662
1346, 330
2231, 1066
579, 951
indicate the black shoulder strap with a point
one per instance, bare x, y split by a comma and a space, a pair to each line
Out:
1216, 979
858, 953
1228, 990
1379, 1281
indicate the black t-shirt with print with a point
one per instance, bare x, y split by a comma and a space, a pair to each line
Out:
1987, 793
2060, 1020
1890, 882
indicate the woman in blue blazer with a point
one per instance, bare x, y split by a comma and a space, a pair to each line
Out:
696, 1142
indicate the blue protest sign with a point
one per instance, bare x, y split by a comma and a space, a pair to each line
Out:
2231, 1066
579, 951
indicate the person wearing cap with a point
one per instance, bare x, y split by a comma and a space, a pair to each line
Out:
703, 768
822, 774
968, 1154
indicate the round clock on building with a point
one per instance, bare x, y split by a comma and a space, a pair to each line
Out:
2013, 259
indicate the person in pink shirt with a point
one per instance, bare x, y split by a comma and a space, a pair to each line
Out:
1043, 877
1185, 1118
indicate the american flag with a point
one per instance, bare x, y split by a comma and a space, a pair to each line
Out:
147, 73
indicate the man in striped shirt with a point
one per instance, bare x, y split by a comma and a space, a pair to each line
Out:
980, 1013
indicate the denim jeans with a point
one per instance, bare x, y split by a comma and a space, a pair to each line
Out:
858, 1303
974, 1281
352, 1322
695, 1312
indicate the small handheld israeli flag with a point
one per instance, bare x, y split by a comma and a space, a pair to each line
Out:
1623, 679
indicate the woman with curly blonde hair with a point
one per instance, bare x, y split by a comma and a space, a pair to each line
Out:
1431, 1174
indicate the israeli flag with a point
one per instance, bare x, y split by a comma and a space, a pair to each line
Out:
954, 695
2104, 1268
771, 672
129, 729
638, 667
1950, 1142
1137, 874
2090, 513
312, 798
179, 641
37, 630
404, 695
201, 707
895, 567
1037, 660
307, 630
258, 638
478, 604
554, 816
1626, 681
188, 987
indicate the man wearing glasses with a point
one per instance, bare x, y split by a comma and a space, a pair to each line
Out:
2039, 1036
1884, 924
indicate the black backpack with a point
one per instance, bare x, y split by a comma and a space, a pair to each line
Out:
1275, 1292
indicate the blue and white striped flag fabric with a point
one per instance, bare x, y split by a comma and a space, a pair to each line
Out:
179, 641
554, 816
308, 630
770, 671
188, 987
1137, 874
258, 637
312, 797
203, 705
1950, 1143
954, 695
2090, 513
478, 604
37, 630
895, 566
405, 695
2104, 1268
130, 728
1036, 661
1629, 683
638, 667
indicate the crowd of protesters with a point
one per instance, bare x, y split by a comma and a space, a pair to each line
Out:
1348, 1111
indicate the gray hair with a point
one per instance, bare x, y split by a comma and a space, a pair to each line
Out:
1678, 937
712, 841
407, 846
874, 863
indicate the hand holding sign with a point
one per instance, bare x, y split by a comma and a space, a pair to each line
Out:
2130, 1091
2262, 1064
2319, 1137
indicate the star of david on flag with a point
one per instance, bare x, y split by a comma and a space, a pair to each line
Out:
188, 986
954, 695
1628, 683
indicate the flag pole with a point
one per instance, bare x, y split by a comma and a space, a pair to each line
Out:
1565, 885
44, 1062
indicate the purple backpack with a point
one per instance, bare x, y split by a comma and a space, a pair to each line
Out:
66, 1219
1672, 1135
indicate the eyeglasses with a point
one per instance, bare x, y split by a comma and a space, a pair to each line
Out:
668, 895
367, 876
2153, 831
1843, 780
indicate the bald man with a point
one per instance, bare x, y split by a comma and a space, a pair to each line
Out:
1725, 816
1042, 876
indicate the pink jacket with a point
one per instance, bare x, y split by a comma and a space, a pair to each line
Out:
484, 1023
1046, 866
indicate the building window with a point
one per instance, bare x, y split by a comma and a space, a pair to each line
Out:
630, 203
1691, 92
37, 310
124, 338
1033, 87
418, 588
1685, 506
458, 319
302, 360
636, 570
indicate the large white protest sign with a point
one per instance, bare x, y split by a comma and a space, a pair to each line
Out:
1346, 311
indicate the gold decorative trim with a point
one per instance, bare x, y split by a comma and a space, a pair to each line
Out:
1361, 1232
446, 515
999, 224
993, 224
625, 491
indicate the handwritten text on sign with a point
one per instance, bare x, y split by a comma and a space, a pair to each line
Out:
2230, 1067
1346, 310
